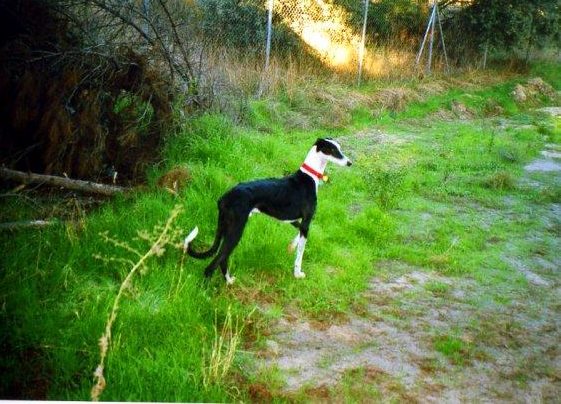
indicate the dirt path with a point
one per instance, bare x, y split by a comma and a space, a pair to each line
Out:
430, 338
509, 353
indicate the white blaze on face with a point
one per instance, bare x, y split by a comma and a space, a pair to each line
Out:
339, 161
334, 143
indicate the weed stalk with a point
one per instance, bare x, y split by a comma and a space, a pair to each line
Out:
156, 248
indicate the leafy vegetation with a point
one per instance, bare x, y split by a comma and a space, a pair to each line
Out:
505, 26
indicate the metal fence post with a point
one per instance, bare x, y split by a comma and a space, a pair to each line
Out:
363, 42
429, 61
262, 83
429, 25
442, 37
269, 34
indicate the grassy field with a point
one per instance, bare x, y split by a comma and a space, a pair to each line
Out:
437, 185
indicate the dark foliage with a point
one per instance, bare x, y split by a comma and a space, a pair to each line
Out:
74, 100
503, 26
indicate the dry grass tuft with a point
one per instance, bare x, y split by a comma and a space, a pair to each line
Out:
439, 261
174, 180
533, 90
461, 111
501, 180
433, 87
396, 99
224, 347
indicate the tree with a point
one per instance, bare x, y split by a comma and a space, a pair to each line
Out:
510, 24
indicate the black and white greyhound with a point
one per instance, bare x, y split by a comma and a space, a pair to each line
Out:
292, 199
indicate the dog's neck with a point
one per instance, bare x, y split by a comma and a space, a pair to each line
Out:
314, 165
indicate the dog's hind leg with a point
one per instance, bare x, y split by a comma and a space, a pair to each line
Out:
224, 267
232, 235
209, 270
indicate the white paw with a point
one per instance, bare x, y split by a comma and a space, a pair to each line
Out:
190, 237
299, 275
230, 280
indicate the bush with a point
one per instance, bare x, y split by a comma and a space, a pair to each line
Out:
386, 184
75, 100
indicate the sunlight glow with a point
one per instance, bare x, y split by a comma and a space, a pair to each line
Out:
323, 26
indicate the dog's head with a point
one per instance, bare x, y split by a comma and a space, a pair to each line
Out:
332, 151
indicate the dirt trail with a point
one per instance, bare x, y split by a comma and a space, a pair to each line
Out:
400, 344
496, 353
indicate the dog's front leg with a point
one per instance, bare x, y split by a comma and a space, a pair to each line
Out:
301, 245
293, 244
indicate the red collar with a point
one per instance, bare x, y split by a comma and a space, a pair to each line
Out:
315, 173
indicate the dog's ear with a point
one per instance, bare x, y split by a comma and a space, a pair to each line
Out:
321, 142
323, 146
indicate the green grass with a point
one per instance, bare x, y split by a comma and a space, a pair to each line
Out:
549, 72
455, 349
56, 296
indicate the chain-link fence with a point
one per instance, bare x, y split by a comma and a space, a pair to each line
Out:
378, 37
357, 37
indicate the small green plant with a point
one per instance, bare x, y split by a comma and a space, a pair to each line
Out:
134, 110
508, 155
444, 259
385, 184
492, 140
455, 349
437, 288
500, 180
550, 194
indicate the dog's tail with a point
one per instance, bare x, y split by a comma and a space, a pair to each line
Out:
202, 254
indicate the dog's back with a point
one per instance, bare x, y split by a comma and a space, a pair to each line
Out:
282, 198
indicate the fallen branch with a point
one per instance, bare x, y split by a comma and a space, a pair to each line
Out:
26, 224
56, 181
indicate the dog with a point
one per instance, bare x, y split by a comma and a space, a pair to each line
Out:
291, 199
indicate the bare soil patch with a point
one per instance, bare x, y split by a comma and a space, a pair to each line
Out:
508, 353
553, 111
